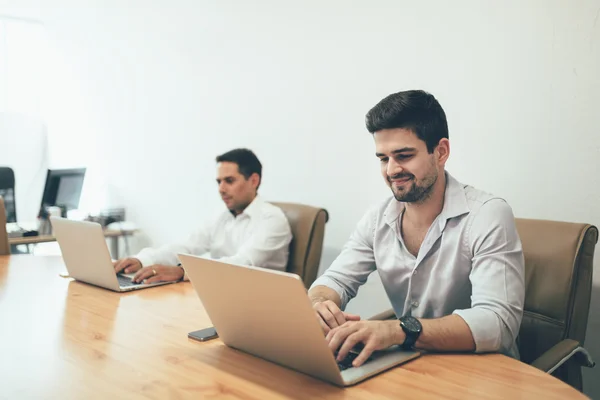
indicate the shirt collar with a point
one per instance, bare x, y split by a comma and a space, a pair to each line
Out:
253, 208
455, 202
455, 199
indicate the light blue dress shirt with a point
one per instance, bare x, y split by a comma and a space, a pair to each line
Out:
469, 264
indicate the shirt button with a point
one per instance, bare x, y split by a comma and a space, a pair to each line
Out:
415, 304
415, 272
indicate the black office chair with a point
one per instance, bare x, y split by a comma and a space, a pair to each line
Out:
7, 191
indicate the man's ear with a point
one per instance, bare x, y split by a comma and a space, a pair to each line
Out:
442, 151
254, 179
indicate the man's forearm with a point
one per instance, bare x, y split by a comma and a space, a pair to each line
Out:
319, 294
450, 333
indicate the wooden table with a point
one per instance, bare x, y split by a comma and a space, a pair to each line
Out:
109, 233
61, 339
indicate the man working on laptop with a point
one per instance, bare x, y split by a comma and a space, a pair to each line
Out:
448, 255
250, 232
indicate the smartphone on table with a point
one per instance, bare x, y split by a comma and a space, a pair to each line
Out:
204, 334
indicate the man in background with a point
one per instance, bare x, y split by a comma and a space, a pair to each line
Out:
250, 232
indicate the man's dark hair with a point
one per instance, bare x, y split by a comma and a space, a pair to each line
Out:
246, 160
416, 110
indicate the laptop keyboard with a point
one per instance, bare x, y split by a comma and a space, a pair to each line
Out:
347, 362
125, 281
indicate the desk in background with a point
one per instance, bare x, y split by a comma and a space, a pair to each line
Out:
64, 339
114, 235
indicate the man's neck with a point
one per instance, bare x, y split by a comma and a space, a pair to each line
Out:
237, 212
425, 212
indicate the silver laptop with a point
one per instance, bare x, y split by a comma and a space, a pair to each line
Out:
87, 258
268, 314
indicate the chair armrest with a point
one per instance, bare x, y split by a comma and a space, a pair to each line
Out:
387, 314
561, 353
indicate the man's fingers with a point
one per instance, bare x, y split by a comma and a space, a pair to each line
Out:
338, 337
142, 274
132, 268
155, 278
350, 340
327, 316
323, 324
123, 264
351, 317
334, 339
127, 265
138, 275
163, 275
363, 356
336, 312
119, 265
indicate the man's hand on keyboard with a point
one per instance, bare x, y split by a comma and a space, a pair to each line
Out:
127, 265
330, 316
374, 335
159, 273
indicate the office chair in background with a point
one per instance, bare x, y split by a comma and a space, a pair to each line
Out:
308, 230
559, 259
7, 191
4, 247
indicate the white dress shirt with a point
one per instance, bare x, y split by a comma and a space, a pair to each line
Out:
259, 236
469, 264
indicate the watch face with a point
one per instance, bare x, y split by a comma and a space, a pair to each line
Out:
412, 324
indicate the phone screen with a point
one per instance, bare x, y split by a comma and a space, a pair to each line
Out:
204, 334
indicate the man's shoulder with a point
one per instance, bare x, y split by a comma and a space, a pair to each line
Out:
271, 210
276, 216
487, 209
477, 198
379, 212
260, 208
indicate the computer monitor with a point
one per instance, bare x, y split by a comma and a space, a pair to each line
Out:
63, 188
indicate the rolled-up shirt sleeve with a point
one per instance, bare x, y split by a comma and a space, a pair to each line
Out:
355, 263
497, 279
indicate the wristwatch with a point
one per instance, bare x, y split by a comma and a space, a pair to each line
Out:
412, 328
182, 276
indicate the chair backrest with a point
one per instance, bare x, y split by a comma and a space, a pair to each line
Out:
558, 281
7, 191
4, 247
308, 230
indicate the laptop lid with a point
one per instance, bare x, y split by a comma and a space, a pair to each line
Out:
85, 252
265, 313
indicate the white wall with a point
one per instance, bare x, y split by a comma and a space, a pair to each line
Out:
27, 154
23, 134
152, 91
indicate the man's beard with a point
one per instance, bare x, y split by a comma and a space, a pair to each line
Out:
417, 193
